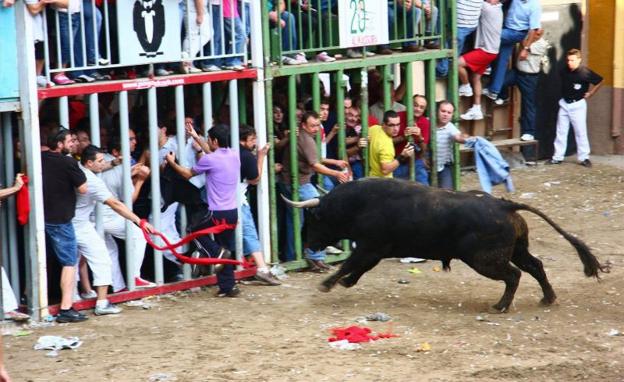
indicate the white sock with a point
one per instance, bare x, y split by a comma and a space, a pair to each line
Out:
101, 303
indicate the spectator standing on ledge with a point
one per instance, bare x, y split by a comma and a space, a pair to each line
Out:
521, 25
61, 179
447, 134
578, 83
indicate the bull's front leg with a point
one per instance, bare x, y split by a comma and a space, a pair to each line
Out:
361, 268
347, 267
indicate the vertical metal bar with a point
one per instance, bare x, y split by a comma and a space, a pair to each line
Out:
4, 182
409, 104
36, 273
387, 95
453, 83
260, 122
433, 118
234, 140
153, 127
70, 37
340, 114
294, 165
207, 107
59, 55
181, 154
9, 171
64, 112
94, 119
46, 46
124, 123
108, 33
316, 106
96, 35
364, 115
81, 34
242, 103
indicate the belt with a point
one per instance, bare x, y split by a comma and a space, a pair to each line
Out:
572, 100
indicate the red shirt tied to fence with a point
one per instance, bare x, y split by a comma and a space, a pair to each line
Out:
216, 229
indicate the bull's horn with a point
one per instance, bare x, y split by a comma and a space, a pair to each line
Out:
322, 190
305, 204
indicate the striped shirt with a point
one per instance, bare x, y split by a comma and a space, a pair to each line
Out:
468, 12
445, 138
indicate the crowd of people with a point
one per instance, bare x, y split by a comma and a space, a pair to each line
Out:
387, 144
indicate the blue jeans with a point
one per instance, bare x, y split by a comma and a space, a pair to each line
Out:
412, 18
233, 29
358, 169
445, 177
462, 35
509, 38
251, 243
62, 239
66, 36
422, 177
289, 33
92, 15
527, 83
306, 191
214, 48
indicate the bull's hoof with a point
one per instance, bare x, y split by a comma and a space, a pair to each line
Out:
499, 309
324, 287
345, 282
548, 301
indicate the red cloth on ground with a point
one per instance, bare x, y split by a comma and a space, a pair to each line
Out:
23, 203
357, 334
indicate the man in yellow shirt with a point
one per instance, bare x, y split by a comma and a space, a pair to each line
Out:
381, 153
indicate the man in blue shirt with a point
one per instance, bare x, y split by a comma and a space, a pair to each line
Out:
521, 25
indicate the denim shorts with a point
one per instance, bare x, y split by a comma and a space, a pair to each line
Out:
62, 239
251, 243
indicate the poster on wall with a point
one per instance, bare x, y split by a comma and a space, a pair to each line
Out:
363, 22
149, 31
9, 86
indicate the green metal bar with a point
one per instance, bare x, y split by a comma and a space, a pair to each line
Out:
409, 104
379, 60
433, 119
453, 84
340, 113
387, 83
242, 103
316, 106
319, 23
294, 164
364, 115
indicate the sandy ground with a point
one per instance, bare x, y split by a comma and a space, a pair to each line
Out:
280, 333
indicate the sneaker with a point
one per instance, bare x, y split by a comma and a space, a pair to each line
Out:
161, 72
224, 254
43, 82
234, 292
84, 79
413, 48
465, 90
486, 92
70, 315
553, 161
100, 77
324, 57
289, 61
527, 137
352, 53
267, 278
586, 163
331, 250
88, 295
142, 283
103, 62
385, 50
301, 58
473, 114
368, 53
501, 101
211, 68
236, 67
16, 316
106, 309
62, 79
487, 71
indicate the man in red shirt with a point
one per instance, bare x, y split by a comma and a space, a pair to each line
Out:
420, 134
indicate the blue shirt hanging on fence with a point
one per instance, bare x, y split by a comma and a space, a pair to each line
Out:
491, 167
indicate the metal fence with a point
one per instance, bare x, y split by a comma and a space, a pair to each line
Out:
94, 39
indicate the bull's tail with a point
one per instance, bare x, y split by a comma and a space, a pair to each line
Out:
590, 263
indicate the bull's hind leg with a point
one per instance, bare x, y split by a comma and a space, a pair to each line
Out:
533, 266
495, 265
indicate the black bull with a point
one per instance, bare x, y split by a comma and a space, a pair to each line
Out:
393, 218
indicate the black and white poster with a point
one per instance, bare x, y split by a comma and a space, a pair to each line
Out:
149, 31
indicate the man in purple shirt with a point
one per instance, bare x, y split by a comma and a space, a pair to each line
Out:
221, 165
